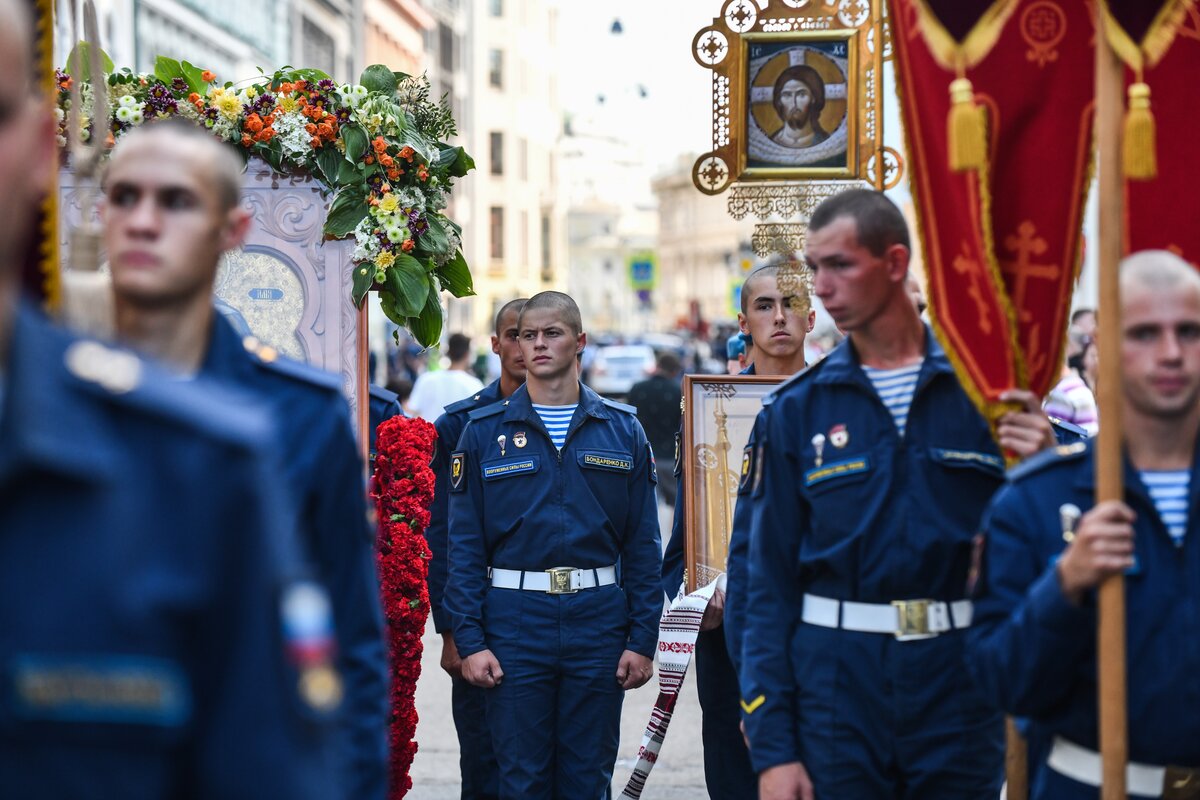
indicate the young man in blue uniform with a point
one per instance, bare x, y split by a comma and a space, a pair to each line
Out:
553, 495
171, 209
1033, 648
476, 760
875, 469
777, 322
158, 635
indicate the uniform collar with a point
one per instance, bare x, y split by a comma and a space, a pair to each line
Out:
750, 370
518, 407
43, 422
843, 365
226, 356
1085, 478
490, 393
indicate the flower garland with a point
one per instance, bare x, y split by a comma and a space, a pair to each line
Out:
403, 490
377, 145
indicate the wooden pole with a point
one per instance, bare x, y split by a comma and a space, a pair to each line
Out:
1110, 634
1016, 762
362, 409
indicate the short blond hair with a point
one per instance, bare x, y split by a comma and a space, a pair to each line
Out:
224, 165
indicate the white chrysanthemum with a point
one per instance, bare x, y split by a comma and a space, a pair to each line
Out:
293, 138
125, 114
367, 243
397, 234
411, 197
137, 118
127, 101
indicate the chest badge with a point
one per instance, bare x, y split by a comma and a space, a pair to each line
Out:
500, 440
839, 436
519, 439
818, 443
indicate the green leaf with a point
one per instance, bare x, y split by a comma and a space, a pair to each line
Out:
427, 328
312, 75
409, 284
168, 69
388, 304
194, 77
82, 51
456, 276
364, 278
433, 241
378, 78
349, 208
455, 161
355, 139
347, 174
401, 76
330, 161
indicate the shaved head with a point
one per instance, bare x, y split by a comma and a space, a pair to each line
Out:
1158, 270
222, 167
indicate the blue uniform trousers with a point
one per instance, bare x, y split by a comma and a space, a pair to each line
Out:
914, 728
476, 761
727, 771
555, 717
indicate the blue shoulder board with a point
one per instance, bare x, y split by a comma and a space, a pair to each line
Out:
487, 411
628, 409
1061, 454
466, 404
269, 358
793, 380
380, 393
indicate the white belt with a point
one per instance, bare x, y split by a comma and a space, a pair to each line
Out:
904, 619
559, 580
1083, 765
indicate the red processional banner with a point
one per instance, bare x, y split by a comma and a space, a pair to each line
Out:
1002, 244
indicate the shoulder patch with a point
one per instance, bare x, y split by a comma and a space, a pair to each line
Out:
487, 411
117, 371
269, 358
628, 409
792, 381
458, 467
1062, 454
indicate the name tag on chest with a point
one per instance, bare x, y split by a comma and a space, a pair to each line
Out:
507, 468
606, 459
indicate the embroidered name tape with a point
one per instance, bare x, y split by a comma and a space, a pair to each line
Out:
606, 461
837, 469
503, 470
970, 457
101, 688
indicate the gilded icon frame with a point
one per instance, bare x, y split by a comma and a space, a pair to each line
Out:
706, 468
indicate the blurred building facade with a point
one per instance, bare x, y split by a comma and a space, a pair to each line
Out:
395, 33
703, 253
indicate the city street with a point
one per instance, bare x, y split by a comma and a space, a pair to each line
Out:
679, 774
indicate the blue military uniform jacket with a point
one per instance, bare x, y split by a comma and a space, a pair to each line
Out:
145, 552
324, 475
449, 427
1034, 653
384, 404
533, 508
875, 518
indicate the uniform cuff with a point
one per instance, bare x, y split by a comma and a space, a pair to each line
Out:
1050, 606
441, 620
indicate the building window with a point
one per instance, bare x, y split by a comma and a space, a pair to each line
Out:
523, 158
525, 262
496, 219
496, 140
496, 8
446, 46
547, 272
318, 50
496, 68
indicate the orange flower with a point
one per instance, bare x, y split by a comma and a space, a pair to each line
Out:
325, 130
314, 143
393, 174
110, 140
253, 123
265, 135
270, 120
310, 129
193, 98
301, 85
422, 174
286, 88
302, 102
247, 140
208, 76
407, 153
408, 245
385, 160
380, 145
369, 160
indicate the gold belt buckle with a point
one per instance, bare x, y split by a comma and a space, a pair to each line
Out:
1181, 783
560, 580
912, 618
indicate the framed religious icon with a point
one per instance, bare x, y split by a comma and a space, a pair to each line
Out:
718, 415
798, 120
796, 97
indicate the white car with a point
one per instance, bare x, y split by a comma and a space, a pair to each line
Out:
616, 368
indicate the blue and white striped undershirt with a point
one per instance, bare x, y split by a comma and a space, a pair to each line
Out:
557, 420
1169, 491
895, 388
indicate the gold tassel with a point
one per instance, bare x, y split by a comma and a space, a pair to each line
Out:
1138, 156
966, 134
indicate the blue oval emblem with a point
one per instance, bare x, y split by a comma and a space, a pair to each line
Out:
266, 294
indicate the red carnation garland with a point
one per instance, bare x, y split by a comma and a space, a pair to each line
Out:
403, 490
